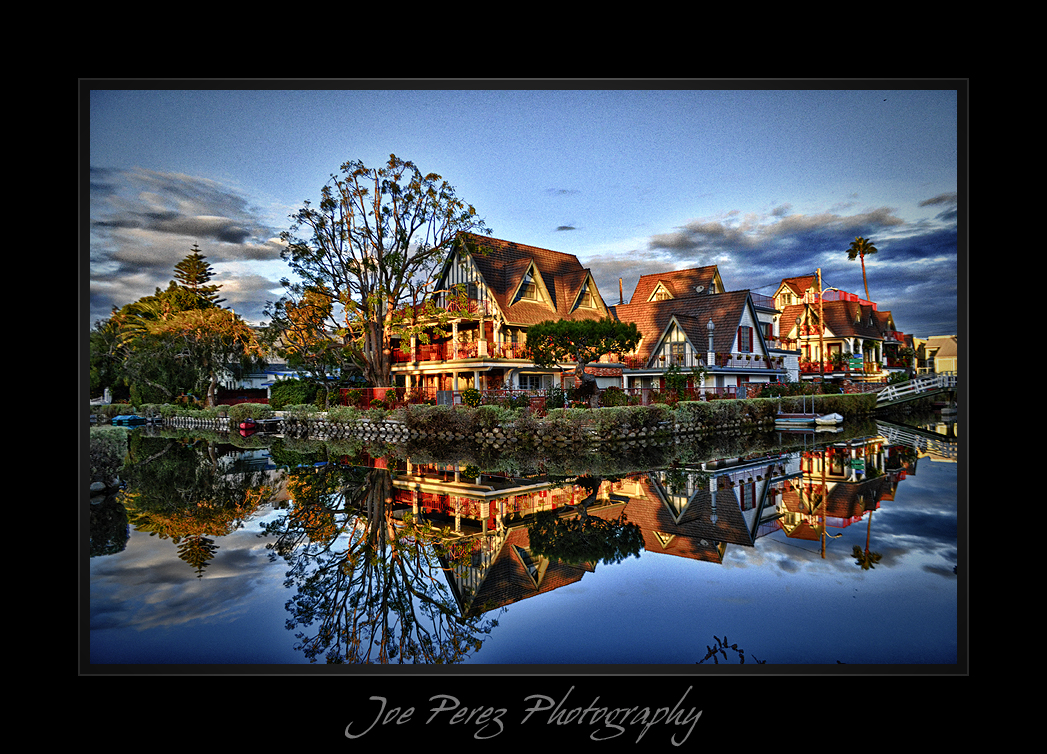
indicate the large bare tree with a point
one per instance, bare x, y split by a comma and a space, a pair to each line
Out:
374, 246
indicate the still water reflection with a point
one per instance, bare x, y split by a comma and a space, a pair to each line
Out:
799, 548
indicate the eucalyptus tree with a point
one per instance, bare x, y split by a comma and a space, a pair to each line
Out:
374, 245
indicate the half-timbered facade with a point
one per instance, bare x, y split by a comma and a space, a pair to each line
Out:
507, 288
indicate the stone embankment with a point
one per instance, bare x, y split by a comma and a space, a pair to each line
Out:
553, 433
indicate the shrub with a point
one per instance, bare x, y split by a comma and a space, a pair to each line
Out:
488, 417
301, 411
435, 419
344, 414
292, 392
471, 397
613, 396
108, 447
242, 411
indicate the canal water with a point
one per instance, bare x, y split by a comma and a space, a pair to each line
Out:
787, 549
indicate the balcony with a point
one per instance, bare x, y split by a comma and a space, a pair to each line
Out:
687, 361
465, 308
430, 352
814, 367
835, 295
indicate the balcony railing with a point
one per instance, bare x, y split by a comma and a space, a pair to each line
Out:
464, 350
833, 295
814, 367
687, 361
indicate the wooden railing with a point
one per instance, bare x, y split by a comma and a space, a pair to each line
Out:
465, 350
814, 367
687, 361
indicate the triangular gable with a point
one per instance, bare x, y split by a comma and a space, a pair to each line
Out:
661, 292
676, 321
535, 567
532, 276
585, 290
559, 278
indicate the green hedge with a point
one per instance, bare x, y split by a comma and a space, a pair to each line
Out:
242, 411
108, 447
291, 393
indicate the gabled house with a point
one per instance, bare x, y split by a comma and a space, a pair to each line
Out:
843, 336
686, 320
508, 287
795, 290
940, 353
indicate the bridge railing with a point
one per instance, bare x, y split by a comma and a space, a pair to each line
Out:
942, 381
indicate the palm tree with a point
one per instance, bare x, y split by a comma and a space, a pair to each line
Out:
860, 247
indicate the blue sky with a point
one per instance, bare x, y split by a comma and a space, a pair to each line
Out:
765, 182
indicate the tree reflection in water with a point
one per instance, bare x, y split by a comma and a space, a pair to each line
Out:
370, 587
584, 538
185, 489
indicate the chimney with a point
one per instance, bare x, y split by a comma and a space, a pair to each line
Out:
621, 294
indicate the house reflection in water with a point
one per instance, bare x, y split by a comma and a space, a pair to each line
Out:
689, 512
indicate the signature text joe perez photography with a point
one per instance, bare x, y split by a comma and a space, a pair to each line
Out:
607, 721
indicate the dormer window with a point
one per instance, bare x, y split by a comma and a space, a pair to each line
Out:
586, 299
660, 294
529, 288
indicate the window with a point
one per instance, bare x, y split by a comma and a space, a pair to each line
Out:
745, 339
528, 288
676, 353
585, 299
660, 294
535, 381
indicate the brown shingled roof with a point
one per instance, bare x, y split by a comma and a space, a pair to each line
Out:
801, 284
693, 313
503, 265
843, 318
679, 283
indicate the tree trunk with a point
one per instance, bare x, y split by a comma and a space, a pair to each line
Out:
586, 383
212, 387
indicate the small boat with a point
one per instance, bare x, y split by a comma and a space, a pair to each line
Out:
794, 420
126, 420
806, 418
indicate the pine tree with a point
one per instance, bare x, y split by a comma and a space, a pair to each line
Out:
194, 274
